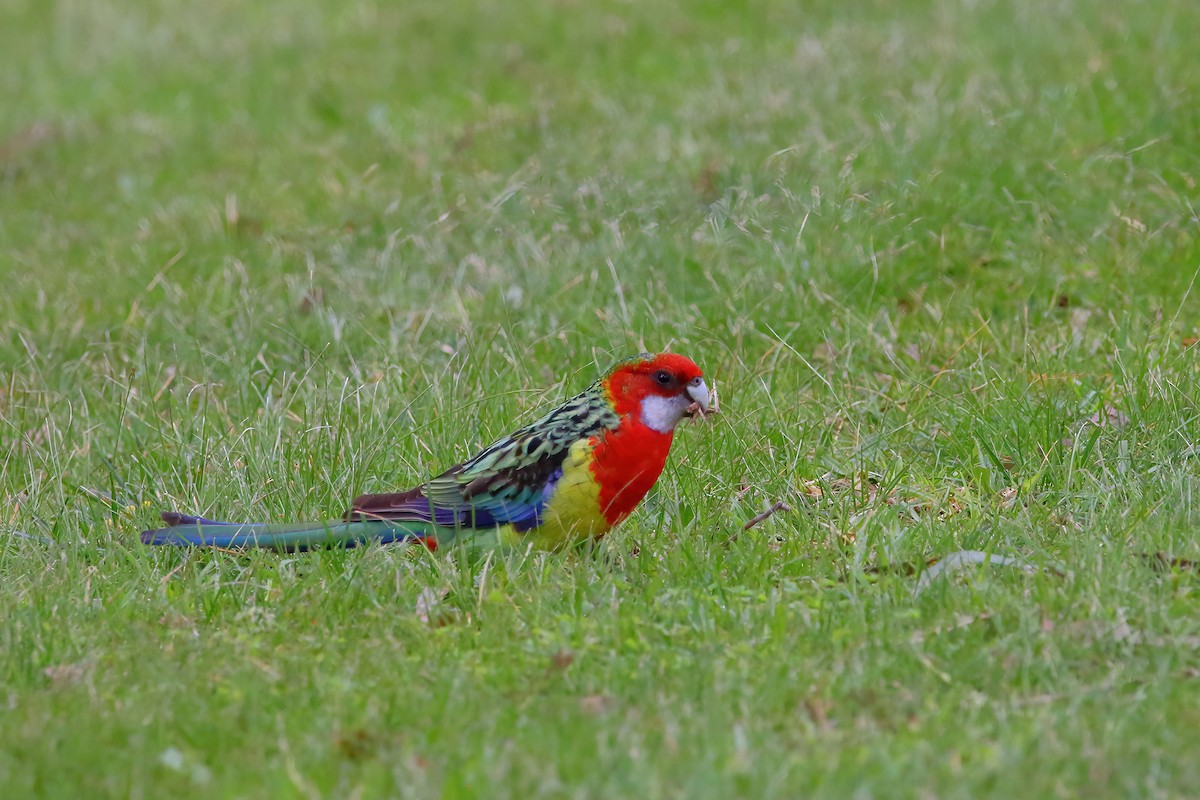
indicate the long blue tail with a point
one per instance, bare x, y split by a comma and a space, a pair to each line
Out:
184, 530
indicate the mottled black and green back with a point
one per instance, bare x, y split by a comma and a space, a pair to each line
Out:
508, 482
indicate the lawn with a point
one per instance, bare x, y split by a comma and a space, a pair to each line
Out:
937, 257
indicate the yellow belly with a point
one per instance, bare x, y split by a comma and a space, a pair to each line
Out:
573, 514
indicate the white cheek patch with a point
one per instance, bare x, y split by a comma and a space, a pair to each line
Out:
662, 414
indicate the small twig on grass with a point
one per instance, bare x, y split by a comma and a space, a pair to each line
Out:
758, 518
167, 578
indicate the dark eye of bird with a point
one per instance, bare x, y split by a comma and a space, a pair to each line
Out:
663, 377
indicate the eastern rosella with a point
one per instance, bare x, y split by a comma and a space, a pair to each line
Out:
565, 479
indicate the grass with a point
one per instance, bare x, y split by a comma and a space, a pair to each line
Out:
938, 256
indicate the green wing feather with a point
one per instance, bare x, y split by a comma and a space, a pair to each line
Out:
508, 482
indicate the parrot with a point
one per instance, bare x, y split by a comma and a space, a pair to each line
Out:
564, 480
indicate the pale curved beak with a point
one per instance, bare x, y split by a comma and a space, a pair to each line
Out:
697, 389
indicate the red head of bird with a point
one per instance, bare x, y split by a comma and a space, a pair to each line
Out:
657, 390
